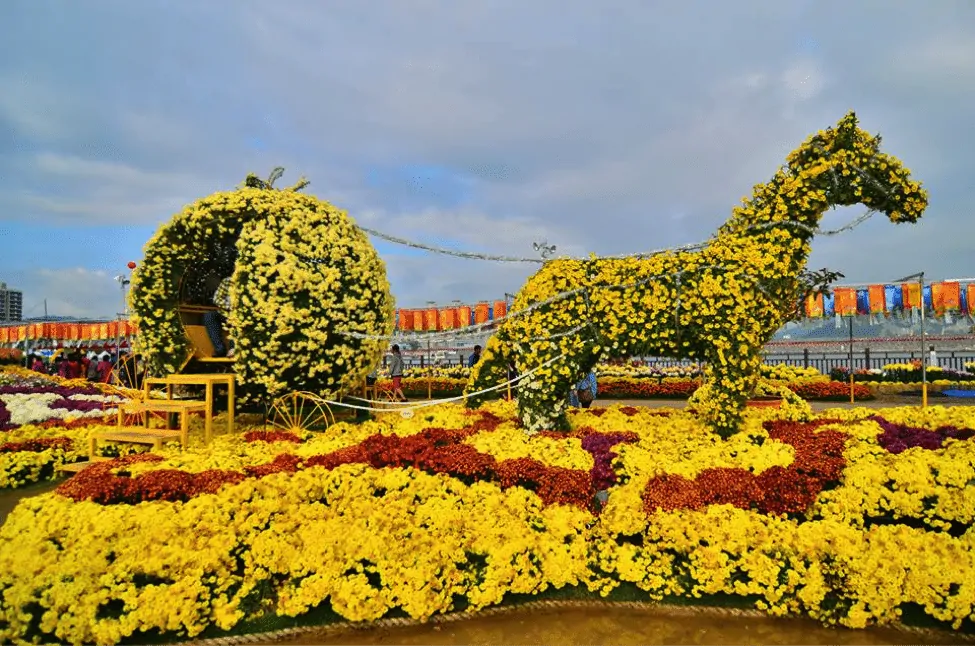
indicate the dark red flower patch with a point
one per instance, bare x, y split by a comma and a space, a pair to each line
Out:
434, 450
897, 438
272, 436
36, 446
81, 422
779, 490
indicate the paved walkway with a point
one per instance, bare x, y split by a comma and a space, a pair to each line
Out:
618, 625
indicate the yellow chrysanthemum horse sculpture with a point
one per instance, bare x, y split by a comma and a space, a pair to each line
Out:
719, 304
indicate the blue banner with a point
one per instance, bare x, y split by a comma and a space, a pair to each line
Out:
863, 301
829, 304
895, 298
928, 305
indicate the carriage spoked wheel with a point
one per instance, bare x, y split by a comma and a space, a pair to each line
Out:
300, 411
127, 378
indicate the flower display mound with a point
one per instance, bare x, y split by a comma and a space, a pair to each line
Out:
303, 277
457, 508
719, 305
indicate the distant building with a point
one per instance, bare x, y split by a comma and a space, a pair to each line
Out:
11, 304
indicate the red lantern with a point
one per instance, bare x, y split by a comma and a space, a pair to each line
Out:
131, 265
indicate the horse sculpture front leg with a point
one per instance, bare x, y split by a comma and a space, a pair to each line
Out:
733, 370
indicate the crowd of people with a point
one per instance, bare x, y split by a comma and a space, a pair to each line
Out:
74, 365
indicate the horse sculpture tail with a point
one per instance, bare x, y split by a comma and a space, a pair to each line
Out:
491, 370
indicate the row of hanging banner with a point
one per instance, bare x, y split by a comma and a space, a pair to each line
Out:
434, 319
407, 320
939, 298
66, 332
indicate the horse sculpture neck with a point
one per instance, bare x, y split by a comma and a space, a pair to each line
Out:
781, 216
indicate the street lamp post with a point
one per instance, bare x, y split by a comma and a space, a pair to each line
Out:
123, 282
924, 358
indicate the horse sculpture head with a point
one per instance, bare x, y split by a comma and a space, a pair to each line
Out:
846, 163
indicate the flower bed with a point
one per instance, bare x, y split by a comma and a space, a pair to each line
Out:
644, 388
847, 518
902, 373
46, 422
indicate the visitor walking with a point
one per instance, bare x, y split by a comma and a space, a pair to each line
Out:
584, 392
214, 320
474, 358
512, 375
92, 373
105, 368
37, 365
396, 372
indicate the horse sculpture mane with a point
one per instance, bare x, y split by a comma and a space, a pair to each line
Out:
720, 304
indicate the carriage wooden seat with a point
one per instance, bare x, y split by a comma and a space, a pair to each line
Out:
201, 348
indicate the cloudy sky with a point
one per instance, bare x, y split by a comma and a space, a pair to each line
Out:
606, 127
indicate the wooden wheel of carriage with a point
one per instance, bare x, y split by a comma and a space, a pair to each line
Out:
300, 411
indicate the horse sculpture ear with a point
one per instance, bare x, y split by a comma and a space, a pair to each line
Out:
848, 124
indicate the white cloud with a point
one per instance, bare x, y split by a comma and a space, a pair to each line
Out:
102, 191
76, 292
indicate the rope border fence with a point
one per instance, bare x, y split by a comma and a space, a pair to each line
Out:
661, 609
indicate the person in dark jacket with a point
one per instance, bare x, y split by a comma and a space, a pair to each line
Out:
474, 358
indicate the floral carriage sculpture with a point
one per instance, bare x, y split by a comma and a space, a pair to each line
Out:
300, 271
720, 304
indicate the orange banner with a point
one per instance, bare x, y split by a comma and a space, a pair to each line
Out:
878, 299
464, 315
430, 319
481, 312
405, 320
951, 293
4, 335
500, 309
846, 301
814, 305
912, 296
447, 317
938, 298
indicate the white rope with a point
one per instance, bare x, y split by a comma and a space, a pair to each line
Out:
436, 402
694, 246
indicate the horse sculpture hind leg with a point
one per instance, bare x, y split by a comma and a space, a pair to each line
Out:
555, 334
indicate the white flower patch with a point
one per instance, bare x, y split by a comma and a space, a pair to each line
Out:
105, 399
33, 408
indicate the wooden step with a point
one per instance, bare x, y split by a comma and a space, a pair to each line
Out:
215, 359
138, 435
163, 406
76, 467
